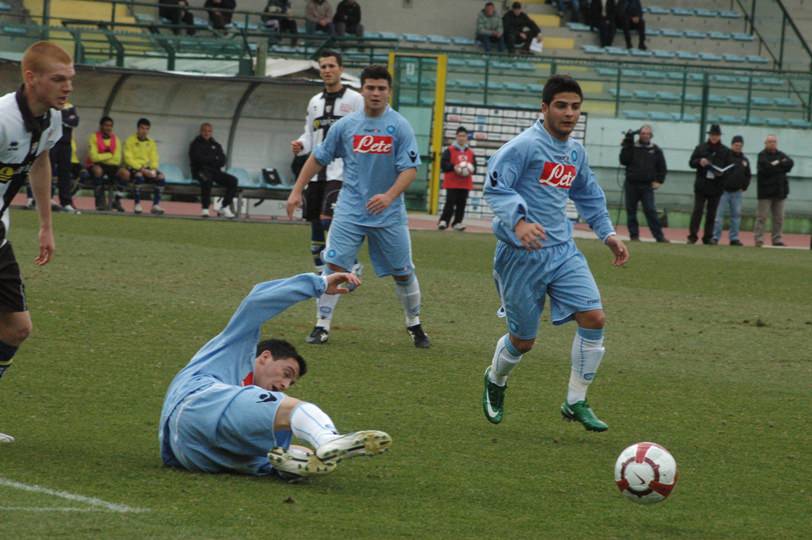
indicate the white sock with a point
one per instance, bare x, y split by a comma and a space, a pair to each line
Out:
409, 295
311, 424
505, 358
325, 305
587, 353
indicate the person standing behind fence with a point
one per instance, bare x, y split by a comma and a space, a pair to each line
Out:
207, 160
458, 165
710, 159
141, 158
645, 172
773, 188
735, 184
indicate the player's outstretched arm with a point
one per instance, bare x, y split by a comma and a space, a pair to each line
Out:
335, 282
311, 168
619, 249
41, 186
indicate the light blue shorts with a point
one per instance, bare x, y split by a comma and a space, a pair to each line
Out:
390, 248
226, 428
523, 278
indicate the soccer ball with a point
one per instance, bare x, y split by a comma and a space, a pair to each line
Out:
646, 473
464, 168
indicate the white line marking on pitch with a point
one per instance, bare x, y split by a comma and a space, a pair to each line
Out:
45, 509
112, 507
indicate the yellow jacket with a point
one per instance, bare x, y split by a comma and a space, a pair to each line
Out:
139, 154
104, 158
73, 157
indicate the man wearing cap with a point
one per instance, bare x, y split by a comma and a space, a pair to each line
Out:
519, 28
773, 188
735, 183
712, 160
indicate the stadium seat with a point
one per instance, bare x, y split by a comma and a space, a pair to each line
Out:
653, 74
174, 175
693, 98
496, 85
578, 27
690, 117
731, 119
414, 38
734, 58
719, 35
763, 101
717, 99
617, 51
710, 57
799, 123
635, 115
243, 177
667, 96
659, 53
785, 102
592, 49
740, 36
769, 81
476, 63
756, 59
623, 92
439, 40
684, 12
737, 100
696, 34
388, 35
777, 122
670, 32
535, 88
656, 10
700, 12
463, 41
632, 74
729, 14
662, 116
722, 78
638, 52
687, 55
644, 94
606, 71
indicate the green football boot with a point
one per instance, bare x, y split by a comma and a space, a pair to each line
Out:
580, 411
493, 400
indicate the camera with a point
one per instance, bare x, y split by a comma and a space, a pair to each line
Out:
629, 136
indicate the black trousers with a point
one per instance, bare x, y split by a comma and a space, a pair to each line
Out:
455, 200
512, 39
626, 24
62, 169
709, 204
223, 179
635, 194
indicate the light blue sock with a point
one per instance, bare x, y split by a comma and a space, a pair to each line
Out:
409, 295
587, 353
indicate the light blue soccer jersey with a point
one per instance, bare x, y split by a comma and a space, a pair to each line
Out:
375, 151
220, 377
532, 176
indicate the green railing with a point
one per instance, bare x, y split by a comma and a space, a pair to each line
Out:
770, 21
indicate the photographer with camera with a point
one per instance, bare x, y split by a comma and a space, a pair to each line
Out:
645, 172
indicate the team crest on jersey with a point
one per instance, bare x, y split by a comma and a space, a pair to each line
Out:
557, 175
372, 144
390, 129
6, 173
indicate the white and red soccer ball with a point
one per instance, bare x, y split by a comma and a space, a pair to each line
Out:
646, 473
464, 168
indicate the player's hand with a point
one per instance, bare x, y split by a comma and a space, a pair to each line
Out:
294, 202
656, 185
335, 282
46, 246
296, 147
619, 249
378, 203
530, 234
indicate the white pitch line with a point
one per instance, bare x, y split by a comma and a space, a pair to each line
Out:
46, 509
113, 507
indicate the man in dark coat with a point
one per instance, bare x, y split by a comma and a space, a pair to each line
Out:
735, 184
207, 160
773, 188
519, 28
348, 18
711, 159
645, 172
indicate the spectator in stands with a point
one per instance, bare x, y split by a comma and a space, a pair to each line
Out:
319, 17
348, 18
645, 172
141, 159
276, 19
773, 188
207, 160
61, 165
602, 18
630, 15
458, 165
177, 12
519, 28
712, 160
735, 184
575, 9
489, 29
220, 12
104, 157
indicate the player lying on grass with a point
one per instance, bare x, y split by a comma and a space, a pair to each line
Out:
226, 411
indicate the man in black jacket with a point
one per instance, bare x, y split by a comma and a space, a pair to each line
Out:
735, 183
773, 188
630, 15
207, 159
711, 159
645, 172
519, 28
348, 18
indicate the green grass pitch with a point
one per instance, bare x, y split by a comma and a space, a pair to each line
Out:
707, 354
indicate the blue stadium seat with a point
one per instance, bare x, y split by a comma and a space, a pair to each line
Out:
737, 100
243, 177
662, 116
670, 32
592, 49
414, 38
664, 95
717, 99
696, 34
469, 85
731, 119
719, 35
388, 35
635, 115
729, 14
785, 102
654, 74
464, 41
535, 88
763, 101
777, 122
734, 58
740, 36
523, 66
693, 98
700, 12
638, 52
687, 55
756, 59
800, 123
722, 78
456, 61
496, 85
174, 175
617, 51
757, 120
606, 71
675, 75
685, 12
656, 10
515, 87
623, 92
498, 64
578, 27
690, 117
372, 35
439, 40
408, 100
769, 81
476, 63
645, 94
659, 53
632, 73
710, 57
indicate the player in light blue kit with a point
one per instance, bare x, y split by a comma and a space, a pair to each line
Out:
226, 410
529, 181
380, 156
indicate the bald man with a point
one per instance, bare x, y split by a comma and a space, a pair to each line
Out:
773, 188
30, 125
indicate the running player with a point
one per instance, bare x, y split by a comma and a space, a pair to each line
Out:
528, 183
